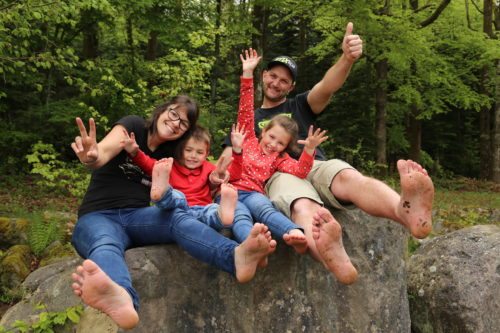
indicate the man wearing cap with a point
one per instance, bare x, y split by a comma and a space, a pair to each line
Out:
335, 183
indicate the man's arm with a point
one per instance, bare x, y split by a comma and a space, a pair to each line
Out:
320, 94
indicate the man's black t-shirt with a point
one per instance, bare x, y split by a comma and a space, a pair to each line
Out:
298, 109
120, 183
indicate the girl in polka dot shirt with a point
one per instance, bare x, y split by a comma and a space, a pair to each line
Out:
262, 158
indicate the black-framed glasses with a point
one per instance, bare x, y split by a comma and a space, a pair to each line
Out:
174, 116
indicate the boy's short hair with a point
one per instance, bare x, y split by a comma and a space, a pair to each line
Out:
197, 132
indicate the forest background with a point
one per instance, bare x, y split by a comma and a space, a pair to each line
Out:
426, 87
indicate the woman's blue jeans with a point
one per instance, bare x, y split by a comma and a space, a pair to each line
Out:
103, 237
255, 206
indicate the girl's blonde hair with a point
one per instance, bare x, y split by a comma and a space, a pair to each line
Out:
290, 127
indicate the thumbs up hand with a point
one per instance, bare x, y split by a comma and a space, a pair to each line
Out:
352, 45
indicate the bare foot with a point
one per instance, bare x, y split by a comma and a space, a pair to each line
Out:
228, 200
97, 290
297, 240
263, 263
161, 177
327, 235
417, 195
252, 251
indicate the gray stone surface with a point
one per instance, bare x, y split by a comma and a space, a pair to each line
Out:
454, 282
293, 294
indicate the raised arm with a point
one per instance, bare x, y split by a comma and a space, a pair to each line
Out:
92, 154
334, 78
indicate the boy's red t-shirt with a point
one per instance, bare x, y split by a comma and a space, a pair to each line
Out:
193, 183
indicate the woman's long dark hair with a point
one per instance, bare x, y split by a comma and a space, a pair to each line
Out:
193, 112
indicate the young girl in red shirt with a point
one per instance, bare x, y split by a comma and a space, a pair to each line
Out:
262, 158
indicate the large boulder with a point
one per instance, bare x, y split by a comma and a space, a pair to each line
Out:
293, 294
454, 282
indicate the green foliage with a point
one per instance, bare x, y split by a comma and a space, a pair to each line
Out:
56, 174
43, 232
47, 321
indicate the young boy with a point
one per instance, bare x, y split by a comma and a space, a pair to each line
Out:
188, 181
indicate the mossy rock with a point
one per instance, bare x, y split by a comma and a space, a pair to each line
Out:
13, 231
56, 251
15, 265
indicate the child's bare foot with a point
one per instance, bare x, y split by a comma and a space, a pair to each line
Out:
263, 263
161, 177
97, 290
252, 251
417, 195
228, 200
327, 235
297, 240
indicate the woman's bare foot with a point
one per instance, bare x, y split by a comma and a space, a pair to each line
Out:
297, 240
228, 200
252, 251
327, 235
417, 195
161, 177
97, 290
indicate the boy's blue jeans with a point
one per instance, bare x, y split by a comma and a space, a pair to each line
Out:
208, 214
103, 237
255, 206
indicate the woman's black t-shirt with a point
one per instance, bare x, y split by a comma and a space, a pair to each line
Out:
120, 183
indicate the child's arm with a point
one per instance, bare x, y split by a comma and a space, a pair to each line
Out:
246, 107
137, 156
302, 167
237, 138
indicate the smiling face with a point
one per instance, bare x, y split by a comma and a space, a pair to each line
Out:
274, 140
195, 152
167, 127
277, 83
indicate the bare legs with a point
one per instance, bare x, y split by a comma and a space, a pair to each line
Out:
412, 209
97, 290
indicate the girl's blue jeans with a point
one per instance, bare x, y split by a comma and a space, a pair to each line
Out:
103, 237
255, 206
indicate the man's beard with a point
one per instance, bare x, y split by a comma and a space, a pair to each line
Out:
274, 99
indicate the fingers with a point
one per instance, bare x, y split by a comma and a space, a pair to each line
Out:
81, 127
348, 29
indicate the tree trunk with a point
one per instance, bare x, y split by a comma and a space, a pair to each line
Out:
260, 18
215, 69
152, 45
495, 143
414, 134
486, 119
381, 111
130, 42
90, 32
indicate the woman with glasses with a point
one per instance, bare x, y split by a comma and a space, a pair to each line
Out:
116, 215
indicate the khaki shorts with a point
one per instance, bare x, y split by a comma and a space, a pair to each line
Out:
283, 188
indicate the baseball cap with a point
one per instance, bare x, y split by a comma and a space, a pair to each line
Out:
285, 61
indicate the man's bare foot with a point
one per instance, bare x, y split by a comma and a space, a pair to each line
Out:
252, 251
297, 240
161, 177
228, 200
97, 290
327, 235
417, 195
